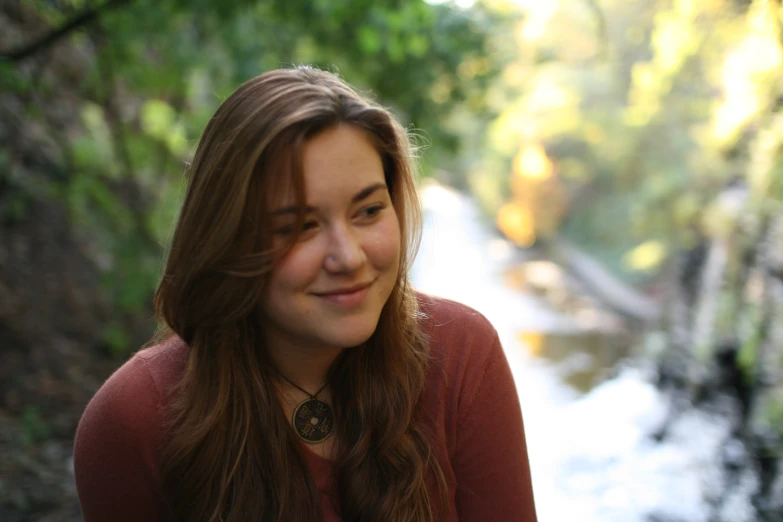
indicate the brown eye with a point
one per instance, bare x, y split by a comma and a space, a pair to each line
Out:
372, 211
288, 230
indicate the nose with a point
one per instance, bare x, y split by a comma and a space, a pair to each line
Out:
345, 253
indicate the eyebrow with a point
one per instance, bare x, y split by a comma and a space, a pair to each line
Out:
359, 196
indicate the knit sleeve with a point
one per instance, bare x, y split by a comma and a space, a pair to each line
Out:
491, 462
115, 462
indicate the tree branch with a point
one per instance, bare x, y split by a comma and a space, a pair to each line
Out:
85, 17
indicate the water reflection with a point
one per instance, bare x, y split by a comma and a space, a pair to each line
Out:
581, 359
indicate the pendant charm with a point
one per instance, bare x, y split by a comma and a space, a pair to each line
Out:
313, 421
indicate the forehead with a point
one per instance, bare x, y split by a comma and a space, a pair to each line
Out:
336, 164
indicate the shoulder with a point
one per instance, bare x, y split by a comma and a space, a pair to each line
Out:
463, 347
165, 363
440, 312
121, 434
131, 401
148, 375
472, 404
455, 329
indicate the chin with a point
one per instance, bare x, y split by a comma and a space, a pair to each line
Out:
350, 337
351, 341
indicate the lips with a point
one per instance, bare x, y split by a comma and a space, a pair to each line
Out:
346, 297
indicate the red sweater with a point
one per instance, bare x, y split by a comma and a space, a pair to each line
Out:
470, 396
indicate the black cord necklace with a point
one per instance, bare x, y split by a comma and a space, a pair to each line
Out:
313, 419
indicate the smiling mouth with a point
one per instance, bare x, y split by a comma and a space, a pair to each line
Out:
346, 297
343, 291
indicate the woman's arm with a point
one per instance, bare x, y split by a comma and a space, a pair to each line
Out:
115, 458
491, 462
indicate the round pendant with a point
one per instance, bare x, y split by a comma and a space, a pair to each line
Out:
313, 421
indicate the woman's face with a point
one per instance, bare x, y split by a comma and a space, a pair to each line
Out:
329, 290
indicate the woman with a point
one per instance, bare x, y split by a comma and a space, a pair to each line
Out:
299, 377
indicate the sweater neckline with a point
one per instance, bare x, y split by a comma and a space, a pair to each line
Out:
315, 457
320, 468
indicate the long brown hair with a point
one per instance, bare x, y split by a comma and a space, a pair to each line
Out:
232, 455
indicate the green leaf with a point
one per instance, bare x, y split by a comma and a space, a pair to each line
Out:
116, 338
157, 118
369, 40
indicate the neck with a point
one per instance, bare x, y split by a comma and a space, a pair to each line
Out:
307, 368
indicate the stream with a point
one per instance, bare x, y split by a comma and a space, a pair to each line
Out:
592, 455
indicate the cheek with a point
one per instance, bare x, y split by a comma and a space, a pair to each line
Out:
384, 248
296, 270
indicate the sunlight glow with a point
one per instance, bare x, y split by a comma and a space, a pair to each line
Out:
534, 25
532, 162
513, 124
759, 54
534, 341
673, 40
549, 95
517, 223
646, 257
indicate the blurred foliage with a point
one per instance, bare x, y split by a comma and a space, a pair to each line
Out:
650, 134
35, 428
647, 110
141, 79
